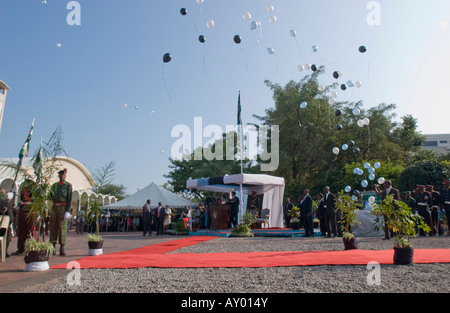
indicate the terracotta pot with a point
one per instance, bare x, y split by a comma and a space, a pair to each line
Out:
95, 244
350, 244
403, 256
37, 256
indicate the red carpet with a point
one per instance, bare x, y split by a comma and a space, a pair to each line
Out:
153, 256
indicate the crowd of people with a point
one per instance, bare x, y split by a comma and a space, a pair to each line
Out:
424, 200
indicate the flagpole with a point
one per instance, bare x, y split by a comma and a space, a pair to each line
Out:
242, 154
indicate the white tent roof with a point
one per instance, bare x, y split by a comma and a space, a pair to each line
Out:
270, 186
153, 192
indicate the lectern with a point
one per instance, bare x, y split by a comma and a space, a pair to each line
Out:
220, 214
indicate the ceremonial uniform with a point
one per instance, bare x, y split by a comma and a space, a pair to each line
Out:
25, 227
423, 203
435, 203
61, 195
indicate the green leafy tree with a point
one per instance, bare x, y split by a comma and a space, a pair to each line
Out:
429, 172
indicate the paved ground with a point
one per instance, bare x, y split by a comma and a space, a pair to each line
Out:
14, 279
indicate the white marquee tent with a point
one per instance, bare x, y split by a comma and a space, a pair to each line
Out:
153, 192
270, 186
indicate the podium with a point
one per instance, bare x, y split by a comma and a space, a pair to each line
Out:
219, 215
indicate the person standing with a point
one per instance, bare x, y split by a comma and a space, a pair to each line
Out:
321, 214
234, 209
445, 200
147, 218
306, 211
6, 210
423, 203
410, 202
388, 190
287, 207
209, 201
435, 211
330, 212
168, 218
80, 221
61, 195
160, 214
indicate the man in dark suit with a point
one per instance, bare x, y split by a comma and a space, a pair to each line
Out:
321, 214
329, 204
160, 214
423, 205
287, 207
307, 212
147, 218
234, 210
388, 190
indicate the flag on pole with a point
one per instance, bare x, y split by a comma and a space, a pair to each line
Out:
239, 119
37, 164
26, 145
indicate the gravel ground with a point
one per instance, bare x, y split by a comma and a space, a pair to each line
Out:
416, 278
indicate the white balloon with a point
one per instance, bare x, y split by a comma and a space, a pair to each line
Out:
381, 180
300, 68
355, 170
372, 176
377, 165
371, 199
210, 24
334, 94
331, 101
270, 8
348, 188
293, 33
364, 183
336, 150
360, 123
371, 170
162, 151
366, 121
303, 105
340, 73
350, 84
360, 172
321, 88
356, 111
366, 165
307, 66
199, 1
125, 106
344, 147
358, 84
272, 19
152, 112
58, 45
258, 24
136, 107
247, 16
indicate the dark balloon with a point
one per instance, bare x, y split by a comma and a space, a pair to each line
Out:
362, 49
350, 143
313, 67
336, 74
356, 151
337, 112
201, 38
237, 39
339, 127
183, 11
343, 86
167, 57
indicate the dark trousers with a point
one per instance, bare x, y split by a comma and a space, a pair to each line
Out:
308, 224
426, 216
323, 228
159, 225
330, 223
25, 229
436, 221
147, 226
234, 218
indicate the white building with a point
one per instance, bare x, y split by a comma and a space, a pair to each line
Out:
439, 143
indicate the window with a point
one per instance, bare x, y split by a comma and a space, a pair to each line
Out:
430, 144
443, 141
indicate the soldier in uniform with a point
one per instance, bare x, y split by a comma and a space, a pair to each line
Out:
435, 211
61, 195
445, 200
25, 222
423, 202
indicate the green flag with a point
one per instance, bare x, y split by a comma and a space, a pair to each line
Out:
239, 120
37, 164
26, 145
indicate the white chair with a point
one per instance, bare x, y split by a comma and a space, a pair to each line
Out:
264, 218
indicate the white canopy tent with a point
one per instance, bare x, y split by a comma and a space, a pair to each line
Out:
270, 186
153, 192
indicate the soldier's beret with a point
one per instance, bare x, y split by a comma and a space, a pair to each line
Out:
63, 171
429, 186
446, 181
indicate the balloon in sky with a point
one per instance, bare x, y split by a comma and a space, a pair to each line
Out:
355, 170
125, 106
339, 127
377, 165
362, 49
293, 33
356, 111
303, 105
336, 150
183, 11
210, 24
344, 147
336, 74
371, 170
358, 84
58, 45
366, 165
247, 16
366, 121
152, 112
321, 88
364, 183
348, 188
350, 84
167, 57
351, 143
334, 94
300, 68
360, 123
313, 68
381, 180
201, 38
307, 66
237, 39
331, 100
162, 151
199, 1
136, 107
337, 112
255, 24
270, 8
343, 86
270, 51
315, 48
272, 19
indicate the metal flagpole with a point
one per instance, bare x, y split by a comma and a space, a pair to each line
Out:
242, 156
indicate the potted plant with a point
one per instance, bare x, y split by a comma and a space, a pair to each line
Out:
36, 254
95, 241
397, 216
244, 228
294, 215
348, 208
179, 227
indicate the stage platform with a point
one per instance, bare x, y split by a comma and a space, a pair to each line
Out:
264, 232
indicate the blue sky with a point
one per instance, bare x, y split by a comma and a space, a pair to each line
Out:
115, 57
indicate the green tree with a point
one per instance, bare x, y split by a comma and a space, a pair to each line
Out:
428, 172
103, 182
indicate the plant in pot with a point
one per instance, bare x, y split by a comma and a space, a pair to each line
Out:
179, 227
294, 215
95, 241
397, 215
244, 228
349, 209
